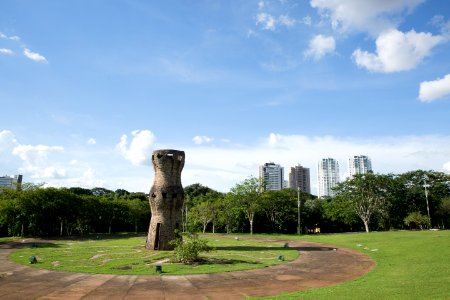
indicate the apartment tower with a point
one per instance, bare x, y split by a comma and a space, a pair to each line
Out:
328, 176
299, 178
359, 164
273, 176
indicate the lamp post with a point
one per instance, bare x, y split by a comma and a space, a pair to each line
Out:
298, 211
426, 198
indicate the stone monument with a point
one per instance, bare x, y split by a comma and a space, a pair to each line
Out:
166, 198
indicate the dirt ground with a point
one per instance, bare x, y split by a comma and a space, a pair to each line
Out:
319, 265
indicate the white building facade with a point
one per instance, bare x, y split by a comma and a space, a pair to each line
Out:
359, 164
273, 176
328, 176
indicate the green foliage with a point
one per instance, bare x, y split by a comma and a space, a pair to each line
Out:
188, 248
416, 219
366, 194
247, 196
195, 190
41, 211
280, 207
382, 202
340, 214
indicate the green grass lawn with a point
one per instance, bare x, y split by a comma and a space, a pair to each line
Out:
126, 256
409, 265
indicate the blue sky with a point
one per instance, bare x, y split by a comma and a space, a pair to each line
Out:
88, 89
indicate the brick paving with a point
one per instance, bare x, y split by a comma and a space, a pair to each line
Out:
318, 266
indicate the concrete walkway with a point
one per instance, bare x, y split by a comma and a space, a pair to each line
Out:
318, 266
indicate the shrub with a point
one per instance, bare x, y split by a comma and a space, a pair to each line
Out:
417, 219
188, 248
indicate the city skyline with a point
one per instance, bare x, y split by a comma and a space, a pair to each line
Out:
89, 89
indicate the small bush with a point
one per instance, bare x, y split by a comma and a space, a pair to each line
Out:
188, 248
417, 219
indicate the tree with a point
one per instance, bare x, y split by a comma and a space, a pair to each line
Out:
247, 196
80, 191
196, 189
417, 219
279, 206
99, 191
416, 199
444, 212
137, 209
228, 212
191, 198
339, 213
112, 210
202, 213
366, 193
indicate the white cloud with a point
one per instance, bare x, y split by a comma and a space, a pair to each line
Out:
7, 137
5, 51
35, 161
307, 20
221, 168
2, 36
34, 56
201, 139
91, 141
261, 5
444, 26
7, 142
223, 165
397, 51
270, 22
286, 21
139, 150
35, 154
90, 178
320, 46
433, 90
267, 21
14, 38
50, 172
373, 16
446, 167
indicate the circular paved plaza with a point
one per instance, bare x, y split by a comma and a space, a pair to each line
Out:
318, 266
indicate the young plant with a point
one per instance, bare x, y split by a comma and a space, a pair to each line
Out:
188, 248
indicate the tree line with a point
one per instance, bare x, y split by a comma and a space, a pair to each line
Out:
417, 199
37, 211
412, 200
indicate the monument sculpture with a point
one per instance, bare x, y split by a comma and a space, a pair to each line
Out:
166, 198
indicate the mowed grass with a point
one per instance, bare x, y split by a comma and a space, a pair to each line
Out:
409, 265
127, 256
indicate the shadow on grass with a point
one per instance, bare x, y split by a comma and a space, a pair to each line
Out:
308, 249
220, 261
256, 248
103, 237
250, 248
27, 244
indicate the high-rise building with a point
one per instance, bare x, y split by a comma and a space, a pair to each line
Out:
359, 164
11, 182
273, 176
299, 178
328, 176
